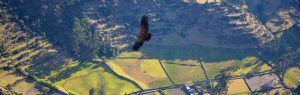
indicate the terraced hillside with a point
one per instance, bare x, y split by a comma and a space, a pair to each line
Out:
19, 47
18, 50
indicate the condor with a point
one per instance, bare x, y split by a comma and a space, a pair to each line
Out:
143, 34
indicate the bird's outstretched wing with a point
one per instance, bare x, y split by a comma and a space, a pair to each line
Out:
143, 34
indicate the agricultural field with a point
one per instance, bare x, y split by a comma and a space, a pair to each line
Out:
264, 67
237, 86
263, 82
126, 65
249, 69
184, 71
291, 77
79, 78
145, 72
175, 91
276, 91
213, 68
95, 80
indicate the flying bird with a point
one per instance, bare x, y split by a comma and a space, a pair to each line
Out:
143, 34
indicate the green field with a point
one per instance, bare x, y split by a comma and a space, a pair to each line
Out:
183, 71
145, 72
80, 78
95, 80
214, 68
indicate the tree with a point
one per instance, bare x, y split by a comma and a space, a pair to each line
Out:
87, 43
91, 91
1, 92
71, 2
222, 79
45, 90
85, 40
1, 49
9, 86
102, 89
297, 90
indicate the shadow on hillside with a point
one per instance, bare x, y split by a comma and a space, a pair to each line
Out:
289, 42
207, 54
44, 66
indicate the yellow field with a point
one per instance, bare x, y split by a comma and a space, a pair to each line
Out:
237, 86
256, 65
9, 79
152, 68
145, 72
3, 73
243, 71
246, 70
265, 67
23, 87
120, 71
291, 77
